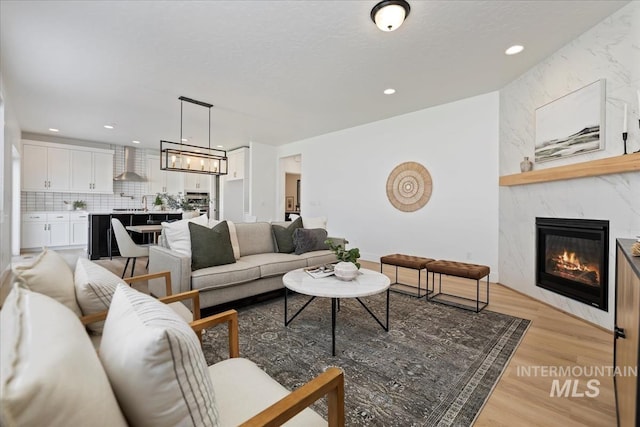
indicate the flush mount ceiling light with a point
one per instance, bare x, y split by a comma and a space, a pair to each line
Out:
177, 156
514, 50
389, 91
108, 126
54, 130
388, 15
136, 141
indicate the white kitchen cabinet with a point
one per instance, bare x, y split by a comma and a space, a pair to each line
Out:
79, 228
237, 162
92, 171
44, 167
45, 229
34, 230
161, 181
197, 182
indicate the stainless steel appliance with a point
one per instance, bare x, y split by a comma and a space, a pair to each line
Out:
199, 201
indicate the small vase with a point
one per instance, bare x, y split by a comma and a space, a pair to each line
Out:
345, 271
526, 165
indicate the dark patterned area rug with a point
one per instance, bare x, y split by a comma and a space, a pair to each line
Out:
437, 364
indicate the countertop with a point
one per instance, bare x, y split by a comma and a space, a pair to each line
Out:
133, 212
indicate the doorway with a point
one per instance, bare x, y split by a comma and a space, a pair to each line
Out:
291, 167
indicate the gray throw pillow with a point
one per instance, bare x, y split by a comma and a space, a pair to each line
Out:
210, 246
307, 240
284, 236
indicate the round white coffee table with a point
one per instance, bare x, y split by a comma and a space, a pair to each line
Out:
368, 282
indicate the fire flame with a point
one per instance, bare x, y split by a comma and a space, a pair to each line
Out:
570, 262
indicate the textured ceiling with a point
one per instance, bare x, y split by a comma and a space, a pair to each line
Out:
276, 71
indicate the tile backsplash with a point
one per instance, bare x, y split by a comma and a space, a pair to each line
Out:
131, 197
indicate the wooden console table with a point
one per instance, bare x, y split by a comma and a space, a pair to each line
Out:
626, 347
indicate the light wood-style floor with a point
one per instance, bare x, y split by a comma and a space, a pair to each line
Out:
554, 339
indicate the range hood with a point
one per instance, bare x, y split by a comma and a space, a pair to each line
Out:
129, 166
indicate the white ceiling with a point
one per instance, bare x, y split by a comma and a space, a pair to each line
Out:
276, 71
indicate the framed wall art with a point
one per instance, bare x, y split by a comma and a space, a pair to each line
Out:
572, 124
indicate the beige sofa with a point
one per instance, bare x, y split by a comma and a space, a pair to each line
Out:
258, 270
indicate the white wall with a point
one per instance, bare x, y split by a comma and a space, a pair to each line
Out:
345, 176
10, 137
610, 50
263, 181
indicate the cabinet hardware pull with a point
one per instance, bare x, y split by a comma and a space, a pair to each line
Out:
619, 333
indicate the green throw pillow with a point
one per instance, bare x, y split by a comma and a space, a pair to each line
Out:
210, 246
284, 236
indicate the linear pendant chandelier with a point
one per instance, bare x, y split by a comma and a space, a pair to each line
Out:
180, 157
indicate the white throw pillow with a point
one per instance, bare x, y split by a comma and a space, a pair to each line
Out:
315, 222
177, 233
155, 364
232, 234
50, 374
95, 286
50, 275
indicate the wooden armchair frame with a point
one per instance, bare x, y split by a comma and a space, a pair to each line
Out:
194, 296
329, 383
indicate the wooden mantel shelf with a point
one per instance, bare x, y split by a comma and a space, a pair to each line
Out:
609, 165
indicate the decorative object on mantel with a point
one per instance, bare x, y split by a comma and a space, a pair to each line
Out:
526, 165
572, 124
638, 117
409, 186
635, 249
189, 158
624, 128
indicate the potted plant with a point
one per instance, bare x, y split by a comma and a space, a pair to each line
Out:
79, 205
347, 267
158, 204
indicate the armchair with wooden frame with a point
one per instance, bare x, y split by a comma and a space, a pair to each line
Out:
329, 383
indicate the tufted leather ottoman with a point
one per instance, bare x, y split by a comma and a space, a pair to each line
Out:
411, 262
458, 269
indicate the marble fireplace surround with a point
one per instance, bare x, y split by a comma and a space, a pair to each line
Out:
611, 51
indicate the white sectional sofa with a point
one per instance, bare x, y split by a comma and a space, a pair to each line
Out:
259, 268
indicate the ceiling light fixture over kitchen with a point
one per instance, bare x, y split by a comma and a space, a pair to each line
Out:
389, 15
182, 157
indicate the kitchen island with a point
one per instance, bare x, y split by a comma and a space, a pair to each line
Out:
102, 241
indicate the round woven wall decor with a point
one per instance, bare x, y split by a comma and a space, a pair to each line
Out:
409, 186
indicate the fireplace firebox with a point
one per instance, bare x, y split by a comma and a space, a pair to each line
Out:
573, 259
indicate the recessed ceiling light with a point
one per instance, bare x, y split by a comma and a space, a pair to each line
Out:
54, 130
136, 142
516, 48
389, 91
108, 126
220, 146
